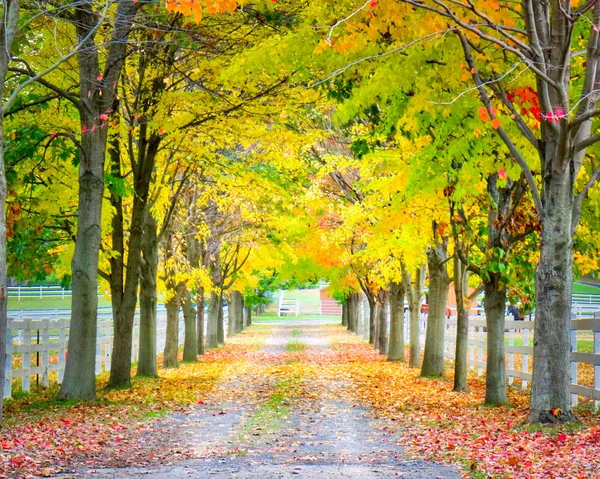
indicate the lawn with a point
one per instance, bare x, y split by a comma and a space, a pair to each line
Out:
582, 288
31, 304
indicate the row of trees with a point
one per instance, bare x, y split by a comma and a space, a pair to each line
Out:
371, 143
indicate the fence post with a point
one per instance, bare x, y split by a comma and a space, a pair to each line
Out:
511, 355
525, 366
46, 353
573, 366
26, 356
61, 349
8, 366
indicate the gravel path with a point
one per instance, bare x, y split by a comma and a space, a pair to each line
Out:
254, 425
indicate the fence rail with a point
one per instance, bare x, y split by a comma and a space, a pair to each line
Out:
295, 307
519, 357
37, 344
40, 292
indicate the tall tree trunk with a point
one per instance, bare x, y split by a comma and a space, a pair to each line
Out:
345, 307
8, 31
382, 330
148, 299
172, 337
353, 311
554, 283
190, 346
495, 304
396, 343
237, 298
236, 306
96, 98
124, 311
372, 317
414, 285
221, 321
3, 265
212, 340
200, 315
249, 316
439, 282
462, 325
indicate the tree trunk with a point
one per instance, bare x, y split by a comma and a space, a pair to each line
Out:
200, 315
172, 339
249, 316
372, 318
3, 265
237, 298
554, 283
495, 376
345, 307
190, 346
439, 282
213, 320
396, 343
462, 325
96, 98
353, 305
236, 307
148, 299
220, 321
414, 292
382, 312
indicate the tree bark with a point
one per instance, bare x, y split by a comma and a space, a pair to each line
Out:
353, 311
212, 340
96, 99
190, 346
221, 321
200, 315
237, 298
372, 317
554, 283
147, 365
172, 338
495, 304
345, 307
3, 265
382, 330
439, 282
396, 343
414, 293
462, 325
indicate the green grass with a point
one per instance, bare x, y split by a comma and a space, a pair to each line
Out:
295, 346
269, 318
585, 288
270, 415
296, 333
30, 304
583, 345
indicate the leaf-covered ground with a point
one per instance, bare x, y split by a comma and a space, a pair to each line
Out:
300, 399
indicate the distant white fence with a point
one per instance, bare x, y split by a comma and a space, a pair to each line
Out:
37, 344
40, 292
582, 326
295, 307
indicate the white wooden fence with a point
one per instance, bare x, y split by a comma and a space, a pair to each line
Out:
519, 357
40, 292
37, 344
295, 307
